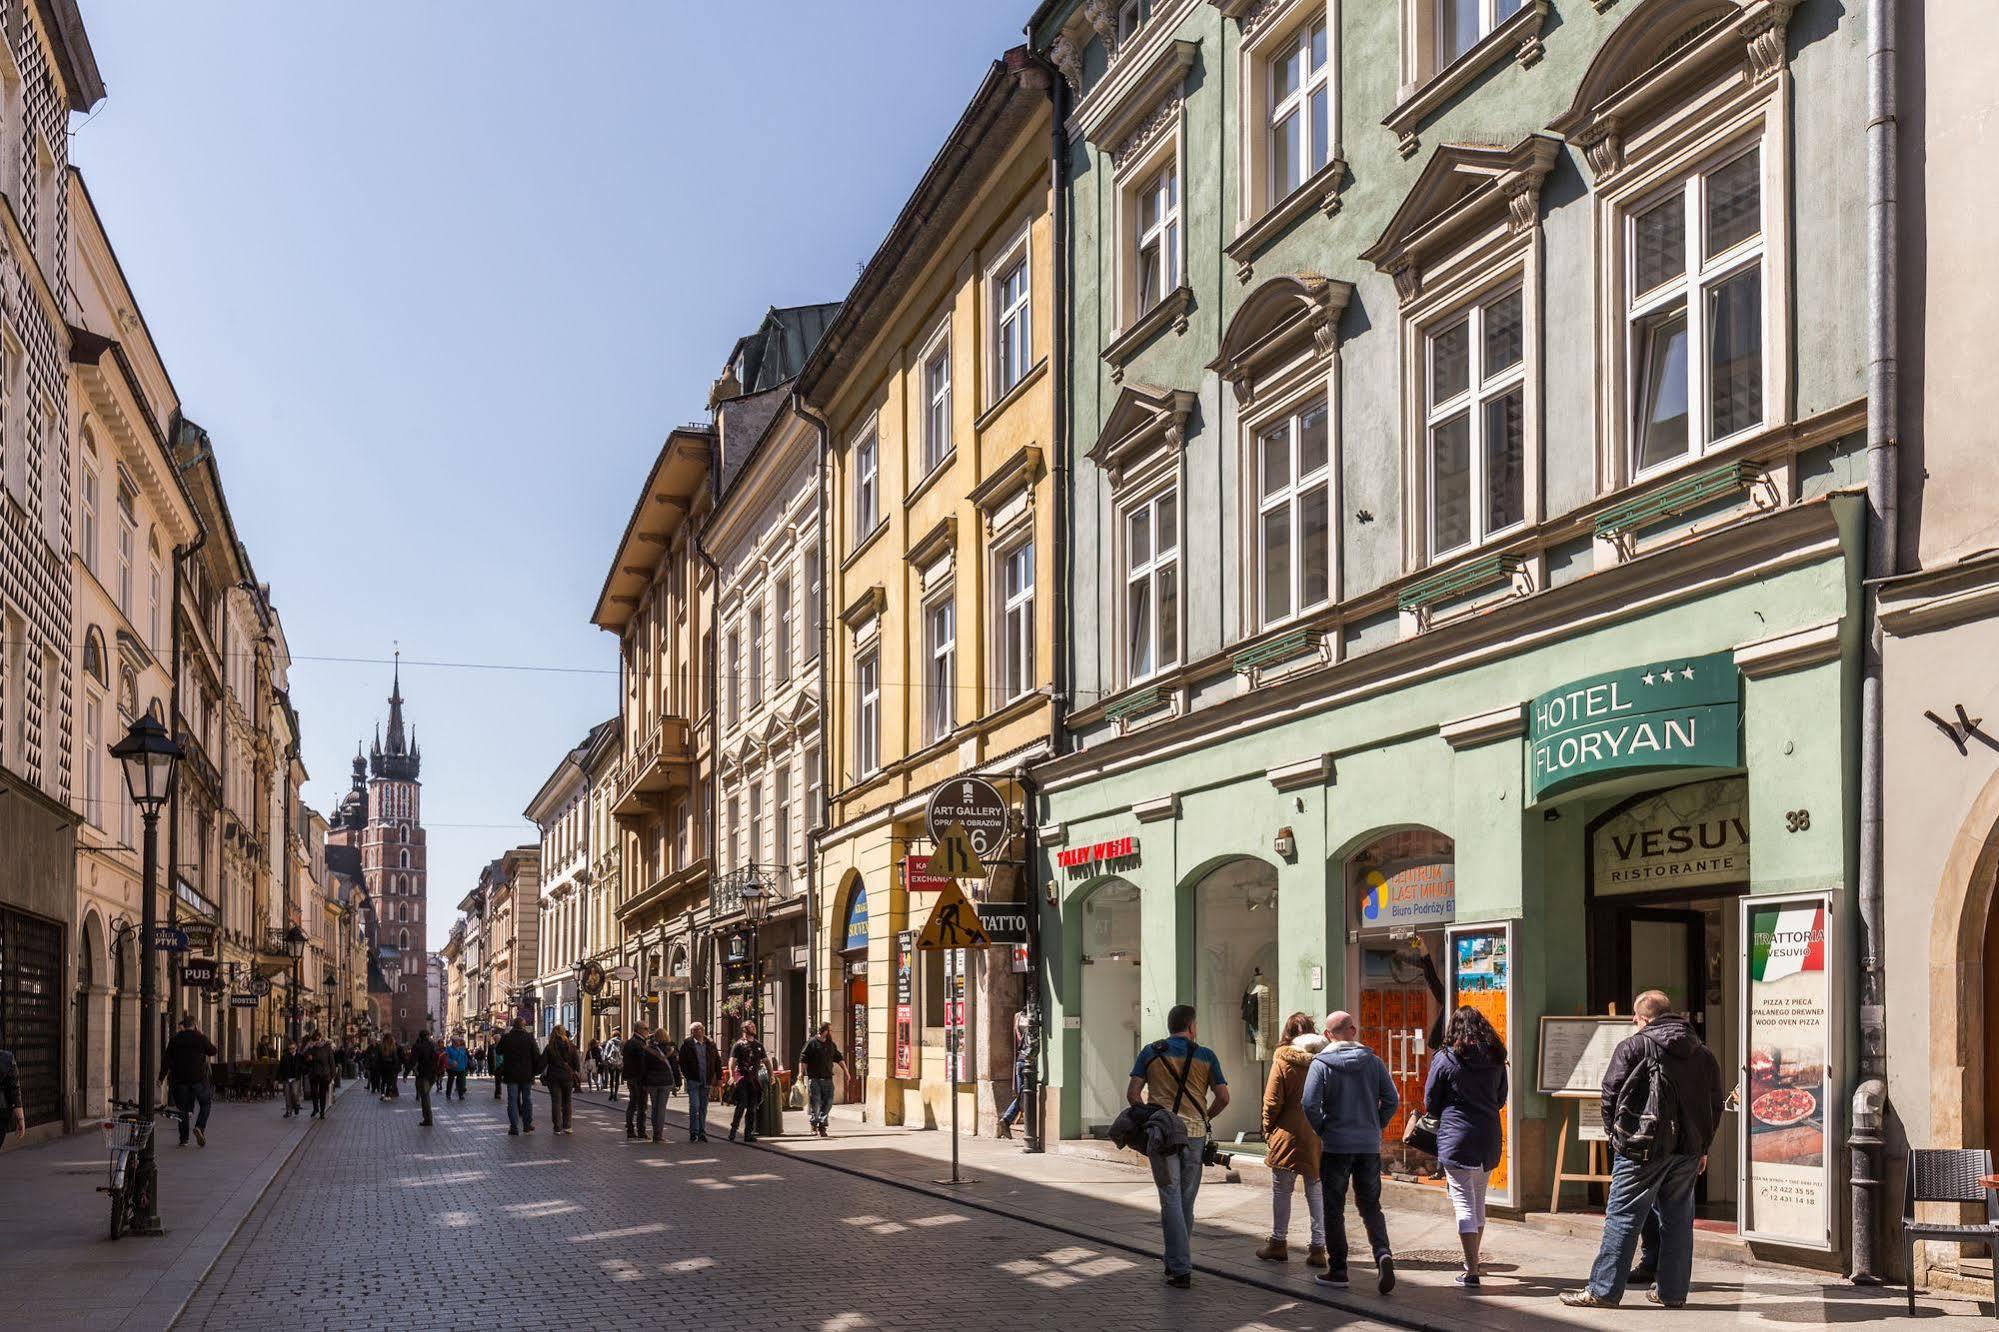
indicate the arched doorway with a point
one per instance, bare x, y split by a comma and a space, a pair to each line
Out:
121, 979
1235, 982
86, 976
1110, 999
853, 957
680, 986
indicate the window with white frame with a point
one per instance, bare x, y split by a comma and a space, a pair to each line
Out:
1013, 349
87, 530
155, 637
756, 846
813, 594
937, 405
127, 540
1463, 24
756, 655
1016, 622
1476, 421
867, 480
1300, 109
733, 835
812, 787
735, 676
1294, 514
867, 713
940, 680
1156, 239
781, 649
781, 854
93, 758
1131, 16
1152, 585
1694, 312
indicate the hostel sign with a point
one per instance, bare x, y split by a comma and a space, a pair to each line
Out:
1681, 713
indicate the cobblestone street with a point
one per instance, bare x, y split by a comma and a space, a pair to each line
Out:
378, 1223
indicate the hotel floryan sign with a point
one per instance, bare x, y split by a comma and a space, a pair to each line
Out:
1684, 713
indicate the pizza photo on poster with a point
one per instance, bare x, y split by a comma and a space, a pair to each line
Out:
1785, 1099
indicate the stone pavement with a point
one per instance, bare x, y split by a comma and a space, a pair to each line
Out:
378, 1223
1100, 1199
58, 1266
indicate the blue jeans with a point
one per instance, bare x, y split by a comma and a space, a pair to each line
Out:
818, 1099
697, 1109
656, 1094
186, 1096
1363, 1171
1635, 1188
520, 1105
1177, 1174
1013, 1110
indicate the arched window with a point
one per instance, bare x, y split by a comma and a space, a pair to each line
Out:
93, 656
405, 831
402, 938
405, 861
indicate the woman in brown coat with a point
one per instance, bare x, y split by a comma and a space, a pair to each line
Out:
1294, 1147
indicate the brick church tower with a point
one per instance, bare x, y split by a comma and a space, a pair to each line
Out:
392, 866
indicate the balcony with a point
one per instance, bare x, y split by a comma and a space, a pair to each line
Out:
659, 762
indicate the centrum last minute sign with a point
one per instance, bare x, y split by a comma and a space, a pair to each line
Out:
1683, 713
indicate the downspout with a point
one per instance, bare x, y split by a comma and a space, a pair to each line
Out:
819, 826
1870, 1097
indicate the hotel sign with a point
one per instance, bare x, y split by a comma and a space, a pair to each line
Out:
1680, 713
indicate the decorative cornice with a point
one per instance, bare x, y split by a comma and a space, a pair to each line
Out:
1144, 417
1156, 810
1109, 125
868, 604
1520, 35
1789, 652
1023, 468
1485, 728
1273, 323
1314, 771
1458, 191
1322, 190
1171, 309
1148, 131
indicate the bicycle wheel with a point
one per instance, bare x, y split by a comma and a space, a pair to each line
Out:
119, 1213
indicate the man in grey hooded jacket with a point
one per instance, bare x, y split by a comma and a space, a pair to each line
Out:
1349, 1099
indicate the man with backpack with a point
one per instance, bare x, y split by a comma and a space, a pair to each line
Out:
1662, 1102
1183, 1078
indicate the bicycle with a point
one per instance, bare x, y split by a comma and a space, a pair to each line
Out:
132, 1183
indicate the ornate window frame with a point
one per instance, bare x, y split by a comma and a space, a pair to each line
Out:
1142, 453
1426, 87
1265, 27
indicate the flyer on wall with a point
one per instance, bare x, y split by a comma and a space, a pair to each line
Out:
1786, 1100
1481, 959
905, 1005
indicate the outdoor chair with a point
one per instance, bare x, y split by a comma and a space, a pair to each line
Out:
1948, 1176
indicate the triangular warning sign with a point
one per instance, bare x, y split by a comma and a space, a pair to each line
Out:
953, 923
954, 857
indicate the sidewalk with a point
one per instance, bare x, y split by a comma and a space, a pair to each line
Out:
1105, 1200
58, 1266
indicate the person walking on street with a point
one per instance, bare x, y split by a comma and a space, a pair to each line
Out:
1349, 1100
1293, 1147
320, 1065
518, 1064
423, 1061
593, 1064
562, 1071
494, 1059
388, 1062
749, 1066
661, 1077
1466, 1091
291, 1073
632, 1059
1662, 1102
1182, 1077
701, 1067
611, 1054
457, 1063
817, 1061
1023, 1072
13, 1114
187, 1077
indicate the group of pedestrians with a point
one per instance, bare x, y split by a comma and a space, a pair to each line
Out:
1329, 1099
307, 1069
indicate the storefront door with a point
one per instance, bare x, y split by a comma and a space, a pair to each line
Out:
1664, 949
857, 1037
1989, 1016
1401, 1011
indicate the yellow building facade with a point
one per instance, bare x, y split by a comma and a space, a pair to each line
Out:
934, 390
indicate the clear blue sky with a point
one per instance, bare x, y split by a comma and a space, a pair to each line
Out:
438, 276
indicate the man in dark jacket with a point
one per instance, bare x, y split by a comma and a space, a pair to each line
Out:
186, 1076
423, 1061
1349, 1100
520, 1061
817, 1061
701, 1066
319, 1069
634, 1057
1692, 1090
662, 1075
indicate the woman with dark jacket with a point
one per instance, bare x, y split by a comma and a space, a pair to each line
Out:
563, 1072
1467, 1092
749, 1067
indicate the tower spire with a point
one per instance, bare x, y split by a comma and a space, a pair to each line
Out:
396, 709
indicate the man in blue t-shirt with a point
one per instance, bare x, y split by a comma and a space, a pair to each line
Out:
1183, 1076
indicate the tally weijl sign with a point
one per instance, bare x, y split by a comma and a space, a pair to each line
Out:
1684, 713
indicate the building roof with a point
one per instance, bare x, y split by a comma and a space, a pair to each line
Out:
73, 54
775, 352
678, 474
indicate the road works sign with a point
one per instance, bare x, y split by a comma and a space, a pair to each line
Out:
952, 924
955, 856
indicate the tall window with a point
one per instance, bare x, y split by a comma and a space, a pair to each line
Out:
127, 539
1152, 585
153, 602
867, 506
812, 788
87, 531
1294, 508
1462, 24
1015, 349
781, 650
756, 654
1300, 110
1158, 238
867, 714
1698, 252
93, 759
735, 676
733, 832
937, 406
1016, 648
813, 600
940, 636
1476, 418
756, 847
781, 853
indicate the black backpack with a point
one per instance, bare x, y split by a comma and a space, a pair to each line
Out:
1645, 1120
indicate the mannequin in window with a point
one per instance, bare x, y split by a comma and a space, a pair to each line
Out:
1259, 1016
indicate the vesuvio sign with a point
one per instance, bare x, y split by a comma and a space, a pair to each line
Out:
1685, 713
1098, 853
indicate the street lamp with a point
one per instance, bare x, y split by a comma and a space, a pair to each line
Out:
148, 755
756, 909
295, 945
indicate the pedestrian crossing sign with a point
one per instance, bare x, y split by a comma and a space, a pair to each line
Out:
954, 857
953, 923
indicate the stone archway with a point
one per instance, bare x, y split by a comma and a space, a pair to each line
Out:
1960, 1028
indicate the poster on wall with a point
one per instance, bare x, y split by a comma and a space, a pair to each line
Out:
1482, 962
954, 1014
905, 1004
1787, 1040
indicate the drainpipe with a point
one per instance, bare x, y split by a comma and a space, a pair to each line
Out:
1870, 1097
815, 836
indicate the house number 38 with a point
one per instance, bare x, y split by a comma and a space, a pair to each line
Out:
1798, 820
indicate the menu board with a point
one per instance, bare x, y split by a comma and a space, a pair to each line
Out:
1575, 1052
1788, 1181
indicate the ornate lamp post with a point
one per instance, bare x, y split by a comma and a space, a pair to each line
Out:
148, 755
756, 909
295, 940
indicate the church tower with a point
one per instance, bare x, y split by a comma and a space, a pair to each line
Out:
393, 867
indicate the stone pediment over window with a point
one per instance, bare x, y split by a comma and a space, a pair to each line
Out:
1464, 190
1145, 419
1293, 315
1130, 109
1657, 55
804, 712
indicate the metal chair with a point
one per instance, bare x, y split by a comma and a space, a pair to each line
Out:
1948, 1176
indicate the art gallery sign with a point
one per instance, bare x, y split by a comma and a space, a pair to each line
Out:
1682, 713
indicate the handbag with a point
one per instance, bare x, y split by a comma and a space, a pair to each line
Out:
1420, 1132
